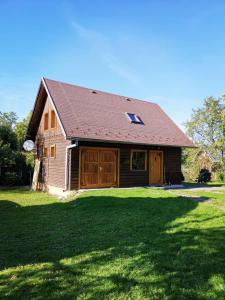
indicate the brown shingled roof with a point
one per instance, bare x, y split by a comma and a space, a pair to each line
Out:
98, 115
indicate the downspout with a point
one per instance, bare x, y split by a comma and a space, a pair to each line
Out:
66, 163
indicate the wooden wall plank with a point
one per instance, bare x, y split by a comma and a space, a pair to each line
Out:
128, 178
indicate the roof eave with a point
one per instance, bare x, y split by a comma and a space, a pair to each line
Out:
27, 136
43, 85
128, 142
54, 107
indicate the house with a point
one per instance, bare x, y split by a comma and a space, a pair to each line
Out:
87, 138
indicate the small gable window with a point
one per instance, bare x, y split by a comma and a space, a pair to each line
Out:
138, 160
53, 151
45, 152
46, 121
53, 119
134, 118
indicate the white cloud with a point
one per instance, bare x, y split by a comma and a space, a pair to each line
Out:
104, 49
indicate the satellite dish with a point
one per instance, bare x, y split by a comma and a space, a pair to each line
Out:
28, 145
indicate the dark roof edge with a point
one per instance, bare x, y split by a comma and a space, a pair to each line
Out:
54, 106
33, 109
44, 85
122, 142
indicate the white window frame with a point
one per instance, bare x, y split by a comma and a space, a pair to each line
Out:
137, 119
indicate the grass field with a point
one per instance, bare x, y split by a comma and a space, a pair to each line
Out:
112, 244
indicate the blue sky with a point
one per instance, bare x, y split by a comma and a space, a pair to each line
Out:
169, 52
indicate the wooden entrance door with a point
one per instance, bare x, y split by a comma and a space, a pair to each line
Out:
98, 168
156, 167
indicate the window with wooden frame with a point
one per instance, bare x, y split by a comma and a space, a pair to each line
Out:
53, 151
46, 121
45, 152
53, 119
138, 160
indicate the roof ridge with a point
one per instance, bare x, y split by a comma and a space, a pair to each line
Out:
100, 91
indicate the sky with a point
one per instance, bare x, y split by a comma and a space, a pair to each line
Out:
171, 52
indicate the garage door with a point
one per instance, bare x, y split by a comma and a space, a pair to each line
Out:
98, 168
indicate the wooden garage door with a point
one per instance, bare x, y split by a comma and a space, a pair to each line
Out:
98, 168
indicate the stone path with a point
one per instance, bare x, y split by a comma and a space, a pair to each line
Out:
207, 189
196, 198
214, 189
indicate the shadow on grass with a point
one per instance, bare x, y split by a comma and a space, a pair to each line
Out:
109, 248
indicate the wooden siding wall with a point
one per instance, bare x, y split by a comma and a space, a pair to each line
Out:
74, 179
127, 178
52, 169
172, 165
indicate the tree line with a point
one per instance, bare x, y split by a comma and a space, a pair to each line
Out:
16, 165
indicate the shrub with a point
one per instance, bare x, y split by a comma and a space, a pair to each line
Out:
220, 176
10, 178
204, 176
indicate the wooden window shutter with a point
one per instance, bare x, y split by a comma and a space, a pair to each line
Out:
53, 119
46, 121
53, 151
45, 152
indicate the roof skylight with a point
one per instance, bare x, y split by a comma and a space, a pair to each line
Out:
134, 118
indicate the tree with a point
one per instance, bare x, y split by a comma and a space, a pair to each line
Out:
193, 160
8, 139
21, 129
8, 119
14, 162
207, 128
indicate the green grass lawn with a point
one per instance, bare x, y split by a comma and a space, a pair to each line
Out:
216, 197
111, 244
